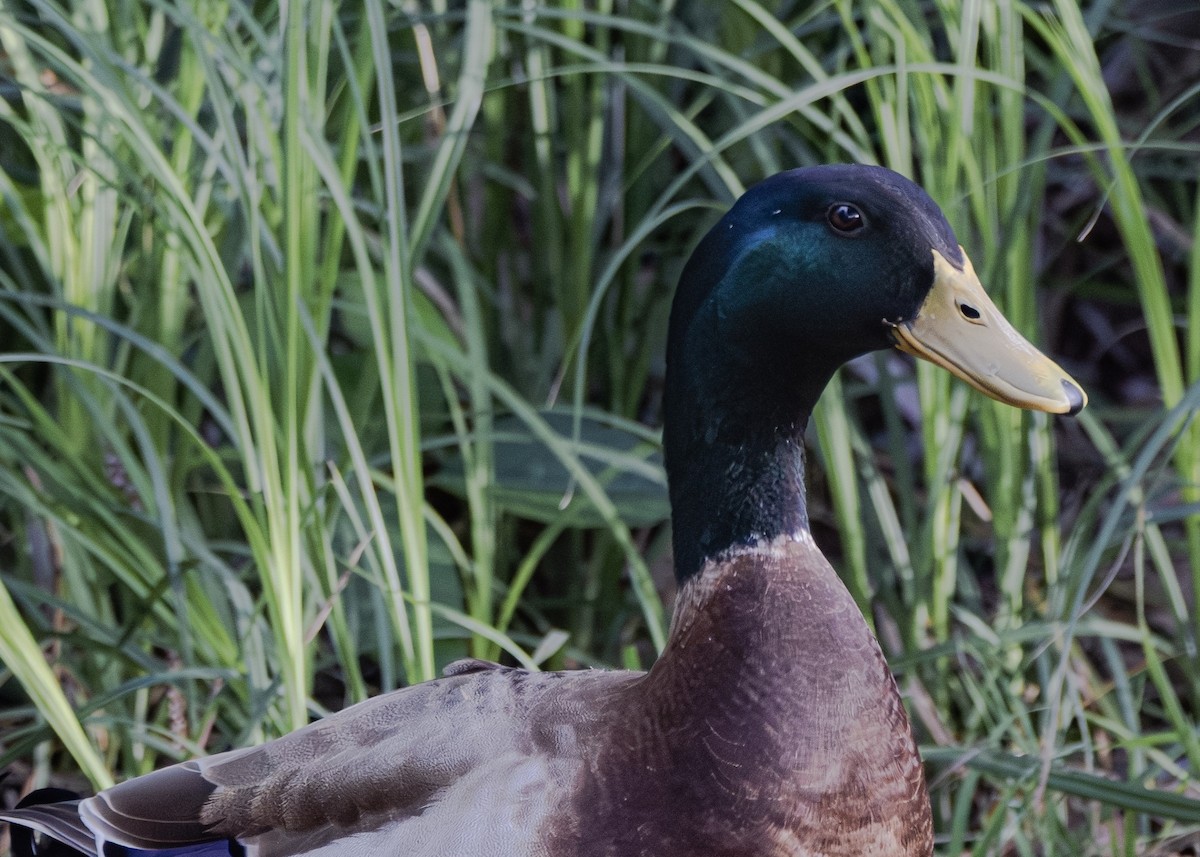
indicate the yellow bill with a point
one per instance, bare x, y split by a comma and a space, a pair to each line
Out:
960, 329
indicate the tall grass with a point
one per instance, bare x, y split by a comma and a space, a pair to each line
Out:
334, 346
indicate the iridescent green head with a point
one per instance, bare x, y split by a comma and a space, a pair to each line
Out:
809, 269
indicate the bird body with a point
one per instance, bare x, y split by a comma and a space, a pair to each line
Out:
770, 725
731, 745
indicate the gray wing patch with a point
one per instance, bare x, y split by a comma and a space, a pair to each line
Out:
387, 758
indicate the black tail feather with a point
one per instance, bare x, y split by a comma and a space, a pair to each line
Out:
26, 842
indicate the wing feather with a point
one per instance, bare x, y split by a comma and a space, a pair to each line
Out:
484, 754
159, 810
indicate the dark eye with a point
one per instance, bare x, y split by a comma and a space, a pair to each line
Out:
845, 217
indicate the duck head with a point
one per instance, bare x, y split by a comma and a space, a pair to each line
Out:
809, 269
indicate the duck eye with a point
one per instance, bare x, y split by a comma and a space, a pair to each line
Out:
845, 217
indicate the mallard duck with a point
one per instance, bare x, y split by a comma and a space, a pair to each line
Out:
771, 725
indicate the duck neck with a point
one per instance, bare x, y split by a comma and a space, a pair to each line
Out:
735, 459
738, 395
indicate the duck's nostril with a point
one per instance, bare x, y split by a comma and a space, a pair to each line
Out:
969, 311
